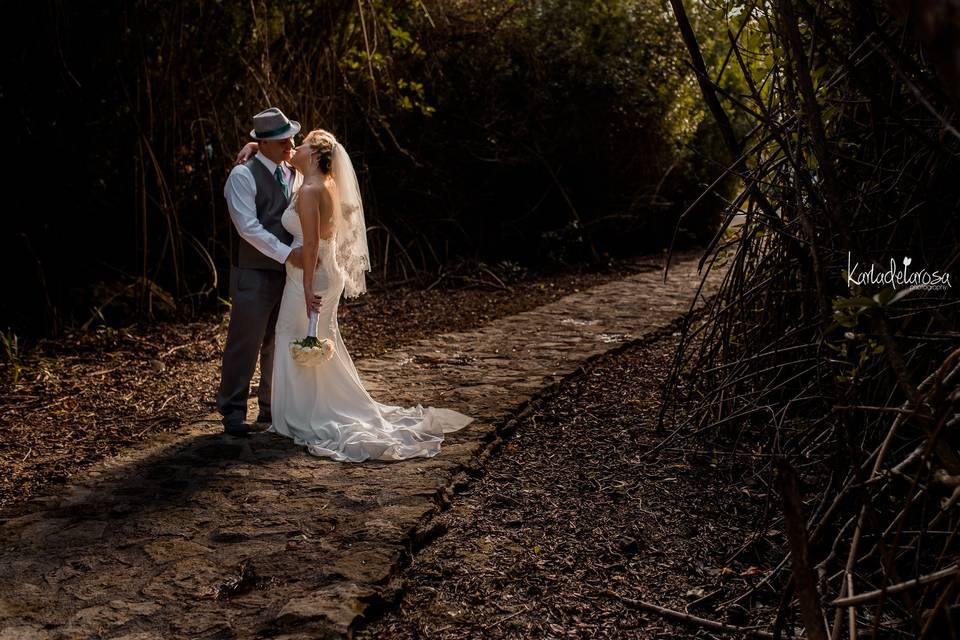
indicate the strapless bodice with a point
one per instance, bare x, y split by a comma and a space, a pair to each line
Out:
291, 222
327, 260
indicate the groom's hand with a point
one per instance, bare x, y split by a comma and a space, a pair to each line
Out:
296, 258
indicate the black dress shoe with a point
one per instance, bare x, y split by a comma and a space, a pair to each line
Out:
238, 429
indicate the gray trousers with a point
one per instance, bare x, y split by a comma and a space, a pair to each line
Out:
255, 302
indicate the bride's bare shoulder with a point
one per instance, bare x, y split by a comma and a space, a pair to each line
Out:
311, 190
310, 197
318, 191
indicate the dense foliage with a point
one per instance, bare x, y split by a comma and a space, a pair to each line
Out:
850, 163
534, 131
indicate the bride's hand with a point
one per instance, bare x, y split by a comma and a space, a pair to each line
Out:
247, 152
314, 306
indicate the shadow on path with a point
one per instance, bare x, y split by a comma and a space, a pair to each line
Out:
138, 547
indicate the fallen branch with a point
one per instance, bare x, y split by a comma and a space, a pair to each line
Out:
689, 619
897, 588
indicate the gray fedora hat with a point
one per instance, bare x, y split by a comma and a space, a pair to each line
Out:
271, 124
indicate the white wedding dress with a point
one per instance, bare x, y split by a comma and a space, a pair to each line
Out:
326, 406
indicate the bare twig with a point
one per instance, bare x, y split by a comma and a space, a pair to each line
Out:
687, 618
870, 596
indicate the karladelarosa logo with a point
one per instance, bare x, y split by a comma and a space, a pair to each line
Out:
898, 274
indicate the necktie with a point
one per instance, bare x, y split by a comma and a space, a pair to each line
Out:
283, 183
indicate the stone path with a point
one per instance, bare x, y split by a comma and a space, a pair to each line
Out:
146, 545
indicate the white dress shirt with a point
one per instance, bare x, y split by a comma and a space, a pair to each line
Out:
241, 192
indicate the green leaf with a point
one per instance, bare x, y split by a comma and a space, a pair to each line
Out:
884, 296
854, 302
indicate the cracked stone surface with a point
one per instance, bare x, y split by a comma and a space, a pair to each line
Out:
137, 547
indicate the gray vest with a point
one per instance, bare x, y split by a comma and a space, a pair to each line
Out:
271, 203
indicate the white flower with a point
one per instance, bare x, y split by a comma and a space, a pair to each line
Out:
327, 349
312, 355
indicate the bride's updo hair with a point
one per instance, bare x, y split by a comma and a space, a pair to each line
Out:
321, 145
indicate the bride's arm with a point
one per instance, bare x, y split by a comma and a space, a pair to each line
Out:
247, 152
307, 207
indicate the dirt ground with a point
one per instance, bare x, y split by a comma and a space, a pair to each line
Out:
91, 395
570, 525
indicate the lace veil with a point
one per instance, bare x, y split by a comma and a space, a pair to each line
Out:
353, 257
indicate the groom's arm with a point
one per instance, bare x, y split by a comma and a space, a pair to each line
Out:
241, 192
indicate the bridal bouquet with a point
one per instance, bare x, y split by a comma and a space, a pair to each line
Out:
311, 350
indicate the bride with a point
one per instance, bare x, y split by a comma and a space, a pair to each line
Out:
326, 407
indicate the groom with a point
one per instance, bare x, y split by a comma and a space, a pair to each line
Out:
257, 192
